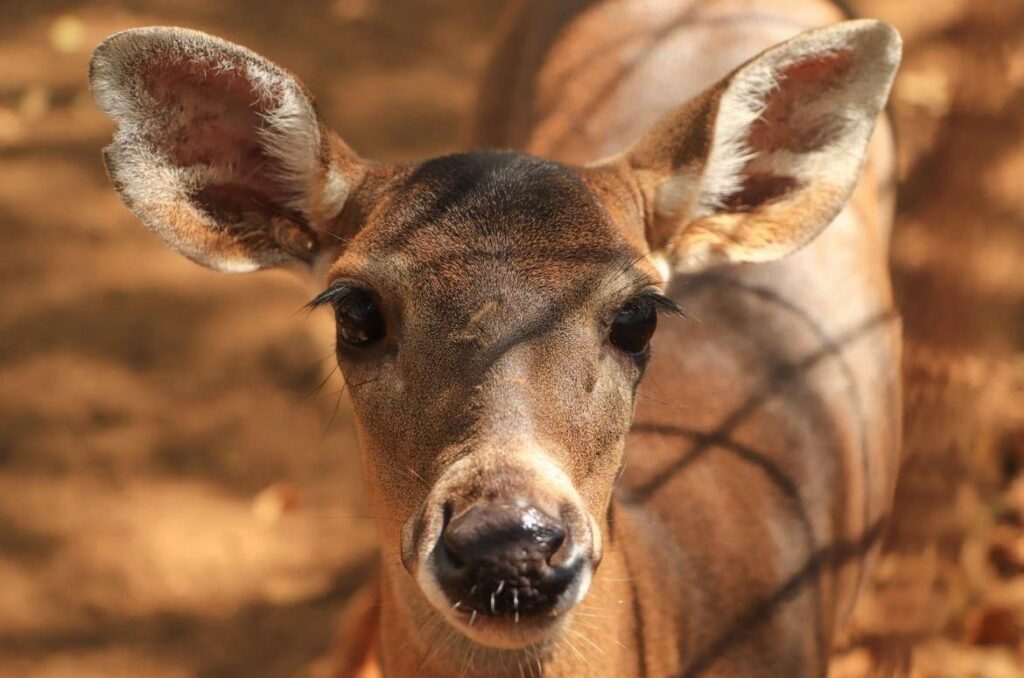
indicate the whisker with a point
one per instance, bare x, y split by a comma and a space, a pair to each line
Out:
416, 476
360, 516
334, 414
318, 387
432, 647
567, 641
343, 241
587, 640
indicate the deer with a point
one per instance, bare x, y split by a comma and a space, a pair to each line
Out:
559, 489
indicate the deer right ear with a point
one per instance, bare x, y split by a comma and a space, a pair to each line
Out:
219, 151
762, 162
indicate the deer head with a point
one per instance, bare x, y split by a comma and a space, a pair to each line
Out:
494, 310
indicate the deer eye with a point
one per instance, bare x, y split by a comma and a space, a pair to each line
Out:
634, 325
359, 320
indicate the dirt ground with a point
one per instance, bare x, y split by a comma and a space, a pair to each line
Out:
177, 496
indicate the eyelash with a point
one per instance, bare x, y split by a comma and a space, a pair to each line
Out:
334, 294
661, 302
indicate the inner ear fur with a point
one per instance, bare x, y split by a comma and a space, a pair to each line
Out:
218, 150
760, 163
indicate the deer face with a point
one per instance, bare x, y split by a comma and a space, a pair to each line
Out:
493, 310
493, 324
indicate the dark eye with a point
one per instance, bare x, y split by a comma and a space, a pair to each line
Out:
633, 326
360, 322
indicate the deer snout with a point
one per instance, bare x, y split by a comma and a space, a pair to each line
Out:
510, 559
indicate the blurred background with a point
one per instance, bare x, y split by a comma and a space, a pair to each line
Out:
179, 496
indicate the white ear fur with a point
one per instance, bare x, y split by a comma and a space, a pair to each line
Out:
161, 157
758, 165
854, 107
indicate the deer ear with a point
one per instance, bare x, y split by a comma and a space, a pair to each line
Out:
217, 150
758, 165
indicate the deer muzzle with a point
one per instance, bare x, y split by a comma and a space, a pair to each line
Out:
506, 559
503, 547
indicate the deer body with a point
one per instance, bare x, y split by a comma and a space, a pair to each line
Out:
495, 312
790, 379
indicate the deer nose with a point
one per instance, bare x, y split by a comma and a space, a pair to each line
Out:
505, 559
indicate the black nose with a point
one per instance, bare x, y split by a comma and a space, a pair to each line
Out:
504, 559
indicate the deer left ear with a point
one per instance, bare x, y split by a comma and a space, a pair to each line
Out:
758, 165
219, 151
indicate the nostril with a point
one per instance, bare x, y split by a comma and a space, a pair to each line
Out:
452, 554
560, 549
564, 553
550, 539
450, 542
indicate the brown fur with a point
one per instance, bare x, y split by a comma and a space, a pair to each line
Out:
761, 462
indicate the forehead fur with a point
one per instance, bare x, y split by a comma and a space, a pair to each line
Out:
493, 222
